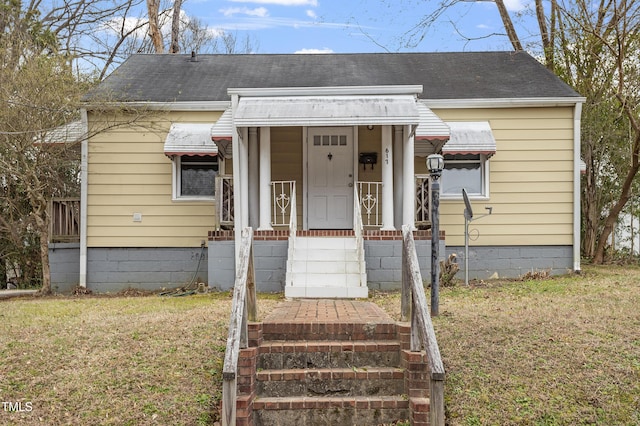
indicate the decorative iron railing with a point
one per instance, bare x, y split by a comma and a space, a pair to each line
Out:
423, 197
224, 198
64, 226
283, 202
371, 203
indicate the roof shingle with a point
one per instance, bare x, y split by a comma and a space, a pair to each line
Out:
462, 75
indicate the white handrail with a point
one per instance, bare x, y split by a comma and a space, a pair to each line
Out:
358, 231
293, 226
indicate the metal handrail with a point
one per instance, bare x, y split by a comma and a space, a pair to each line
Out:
358, 230
293, 226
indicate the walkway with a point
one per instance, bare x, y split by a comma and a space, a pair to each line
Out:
345, 319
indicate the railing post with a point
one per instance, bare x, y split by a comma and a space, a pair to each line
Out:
252, 300
405, 298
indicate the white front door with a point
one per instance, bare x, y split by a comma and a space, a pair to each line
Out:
330, 177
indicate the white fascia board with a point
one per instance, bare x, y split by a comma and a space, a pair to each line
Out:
164, 106
331, 90
502, 102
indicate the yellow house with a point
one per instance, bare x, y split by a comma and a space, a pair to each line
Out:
324, 156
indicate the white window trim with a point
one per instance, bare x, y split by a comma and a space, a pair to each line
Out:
176, 183
484, 165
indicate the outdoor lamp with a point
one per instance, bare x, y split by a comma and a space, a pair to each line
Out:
435, 163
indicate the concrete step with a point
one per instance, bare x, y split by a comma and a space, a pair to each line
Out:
321, 331
328, 354
324, 255
299, 266
326, 242
326, 292
327, 382
362, 410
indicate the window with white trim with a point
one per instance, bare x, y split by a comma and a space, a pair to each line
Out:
469, 171
194, 177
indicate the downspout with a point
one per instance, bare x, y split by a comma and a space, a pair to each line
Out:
84, 173
577, 112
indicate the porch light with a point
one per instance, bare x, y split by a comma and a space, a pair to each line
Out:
435, 164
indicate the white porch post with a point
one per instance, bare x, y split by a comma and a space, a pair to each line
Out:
265, 178
243, 190
254, 208
387, 179
408, 179
237, 182
397, 176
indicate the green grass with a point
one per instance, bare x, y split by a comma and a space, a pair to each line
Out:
560, 351
114, 360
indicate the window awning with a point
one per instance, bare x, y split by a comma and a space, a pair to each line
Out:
431, 133
221, 133
474, 137
189, 139
430, 127
278, 111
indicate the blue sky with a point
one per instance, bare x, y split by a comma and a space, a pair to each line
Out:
344, 26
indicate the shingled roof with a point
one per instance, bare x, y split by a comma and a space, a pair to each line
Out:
462, 75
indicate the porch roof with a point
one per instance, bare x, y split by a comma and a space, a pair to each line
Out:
346, 110
189, 139
474, 137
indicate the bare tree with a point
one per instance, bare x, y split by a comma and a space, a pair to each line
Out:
153, 7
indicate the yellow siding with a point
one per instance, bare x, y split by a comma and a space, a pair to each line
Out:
531, 175
369, 141
128, 173
286, 160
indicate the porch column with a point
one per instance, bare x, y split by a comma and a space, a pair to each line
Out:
243, 191
254, 208
397, 176
387, 179
265, 178
408, 179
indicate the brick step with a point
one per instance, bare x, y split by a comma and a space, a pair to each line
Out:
366, 381
359, 410
328, 354
310, 330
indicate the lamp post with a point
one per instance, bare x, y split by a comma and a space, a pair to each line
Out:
435, 164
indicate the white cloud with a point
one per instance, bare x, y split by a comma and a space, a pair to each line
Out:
311, 14
230, 11
482, 26
310, 51
313, 3
515, 5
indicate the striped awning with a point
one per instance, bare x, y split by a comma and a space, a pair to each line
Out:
189, 139
473, 137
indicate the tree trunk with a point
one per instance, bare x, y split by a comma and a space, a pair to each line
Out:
612, 218
508, 25
175, 27
153, 7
